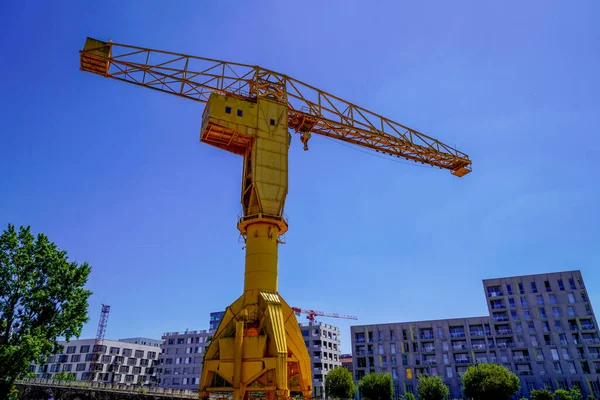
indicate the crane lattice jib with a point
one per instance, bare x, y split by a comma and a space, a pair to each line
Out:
310, 109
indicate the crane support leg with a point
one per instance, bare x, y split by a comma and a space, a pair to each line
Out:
258, 345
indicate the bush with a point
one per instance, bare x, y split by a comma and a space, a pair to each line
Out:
408, 396
377, 386
490, 382
541, 394
432, 388
339, 384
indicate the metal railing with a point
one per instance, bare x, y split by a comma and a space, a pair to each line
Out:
157, 392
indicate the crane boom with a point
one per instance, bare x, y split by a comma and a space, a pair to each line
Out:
310, 110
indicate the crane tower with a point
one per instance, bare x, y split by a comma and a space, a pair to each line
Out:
100, 332
258, 346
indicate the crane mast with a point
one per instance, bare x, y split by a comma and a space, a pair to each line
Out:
258, 346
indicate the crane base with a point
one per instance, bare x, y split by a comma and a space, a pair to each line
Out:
258, 347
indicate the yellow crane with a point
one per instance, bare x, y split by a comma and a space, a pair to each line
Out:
258, 346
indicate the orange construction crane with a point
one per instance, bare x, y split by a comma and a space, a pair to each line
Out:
258, 346
312, 314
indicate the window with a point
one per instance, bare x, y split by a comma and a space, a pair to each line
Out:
554, 353
445, 345
547, 285
540, 300
240, 113
542, 313
449, 372
508, 289
553, 299
571, 311
557, 368
571, 365
563, 339
511, 302
524, 301
533, 287
139, 354
228, 110
580, 282
561, 286
514, 316
521, 290
533, 340
440, 333
71, 349
571, 298
180, 340
171, 341
556, 312
557, 325
76, 358
126, 352
84, 349
572, 283
527, 314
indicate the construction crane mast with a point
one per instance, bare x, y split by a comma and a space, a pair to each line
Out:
311, 314
97, 350
258, 346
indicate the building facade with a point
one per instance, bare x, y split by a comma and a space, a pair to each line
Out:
143, 340
541, 327
346, 360
112, 362
323, 344
180, 360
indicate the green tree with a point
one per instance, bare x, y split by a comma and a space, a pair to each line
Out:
575, 393
377, 386
42, 298
408, 396
339, 384
490, 382
432, 388
541, 394
562, 394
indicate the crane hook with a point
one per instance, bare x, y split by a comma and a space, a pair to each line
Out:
304, 137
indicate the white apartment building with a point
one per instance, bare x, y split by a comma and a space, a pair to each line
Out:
180, 360
323, 344
116, 362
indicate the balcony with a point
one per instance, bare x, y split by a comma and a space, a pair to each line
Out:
495, 293
457, 334
427, 336
481, 360
360, 340
478, 346
462, 361
587, 327
524, 372
504, 332
521, 358
498, 306
594, 356
503, 345
501, 319
591, 341
477, 333
428, 349
430, 362
361, 352
459, 347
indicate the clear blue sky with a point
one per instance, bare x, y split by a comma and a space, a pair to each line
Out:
116, 175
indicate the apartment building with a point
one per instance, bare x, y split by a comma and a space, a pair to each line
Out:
114, 361
541, 327
323, 344
346, 360
180, 360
